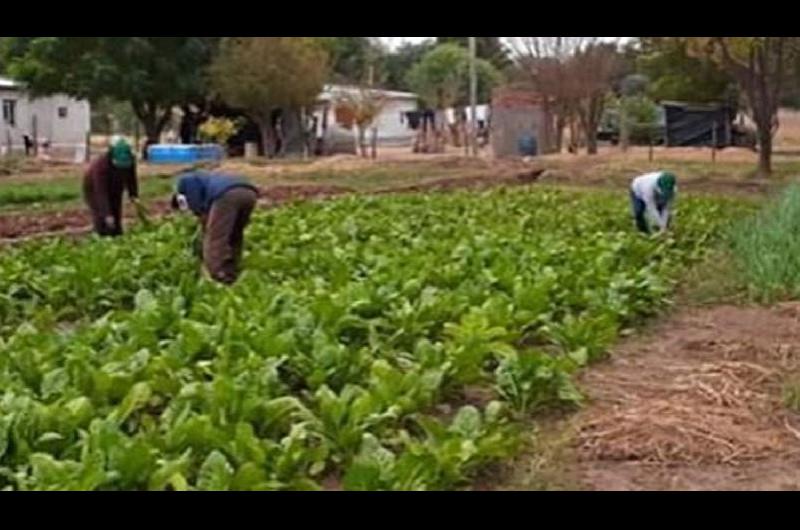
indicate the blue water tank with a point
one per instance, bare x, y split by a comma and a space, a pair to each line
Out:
183, 154
527, 145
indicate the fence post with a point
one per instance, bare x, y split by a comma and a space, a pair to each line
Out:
8, 143
88, 151
714, 143
35, 126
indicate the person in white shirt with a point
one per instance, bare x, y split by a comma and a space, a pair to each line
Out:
652, 195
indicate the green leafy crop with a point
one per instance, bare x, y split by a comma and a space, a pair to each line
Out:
328, 362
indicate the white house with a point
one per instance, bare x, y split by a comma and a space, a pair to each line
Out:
60, 120
391, 124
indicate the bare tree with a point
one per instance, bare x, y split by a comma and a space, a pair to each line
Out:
544, 63
573, 74
760, 66
591, 72
364, 105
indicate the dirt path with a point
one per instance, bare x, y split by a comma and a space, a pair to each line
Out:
16, 227
693, 404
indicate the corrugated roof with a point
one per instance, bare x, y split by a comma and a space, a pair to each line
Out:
329, 91
6, 82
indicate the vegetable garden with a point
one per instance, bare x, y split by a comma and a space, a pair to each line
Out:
394, 343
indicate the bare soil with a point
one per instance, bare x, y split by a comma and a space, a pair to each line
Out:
694, 404
73, 222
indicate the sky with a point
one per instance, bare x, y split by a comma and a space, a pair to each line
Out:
394, 42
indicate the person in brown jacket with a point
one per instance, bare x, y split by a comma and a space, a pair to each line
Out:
104, 183
224, 205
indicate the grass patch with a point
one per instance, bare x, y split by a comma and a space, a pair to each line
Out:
715, 280
36, 194
791, 395
767, 247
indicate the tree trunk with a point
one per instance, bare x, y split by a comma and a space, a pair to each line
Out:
764, 133
152, 121
590, 118
267, 136
561, 121
362, 140
591, 143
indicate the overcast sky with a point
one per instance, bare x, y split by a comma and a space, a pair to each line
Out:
394, 42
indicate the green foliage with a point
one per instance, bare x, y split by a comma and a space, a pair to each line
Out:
441, 78
767, 247
677, 75
398, 63
642, 115
352, 320
218, 130
260, 74
490, 49
61, 191
151, 73
352, 57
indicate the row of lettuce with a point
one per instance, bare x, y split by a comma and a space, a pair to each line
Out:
387, 343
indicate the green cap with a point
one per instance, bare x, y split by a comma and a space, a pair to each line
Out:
121, 154
666, 185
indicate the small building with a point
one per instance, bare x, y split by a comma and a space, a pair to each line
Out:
692, 124
61, 121
339, 136
519, 118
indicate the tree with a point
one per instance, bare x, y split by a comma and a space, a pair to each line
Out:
760, 66
398, 63
153, 74
574, 74
543, 64
441, 77
591, 72
490, 49
354, 59
677, 75
263, 74
364, 105
110, 116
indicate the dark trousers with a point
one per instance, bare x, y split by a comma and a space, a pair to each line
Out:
639, 210
103, 206
639, 207
224, 233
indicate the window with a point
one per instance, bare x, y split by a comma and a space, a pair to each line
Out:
10, 112
62, 112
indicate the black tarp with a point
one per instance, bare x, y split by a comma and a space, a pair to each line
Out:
693, 125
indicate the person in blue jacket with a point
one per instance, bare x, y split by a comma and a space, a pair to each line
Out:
223, 204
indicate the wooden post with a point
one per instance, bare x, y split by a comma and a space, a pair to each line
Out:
34, 126
465, 135
8, 143
650, 150
374, 143
473, 94
624, 132
88, 152
714, 143
304, 129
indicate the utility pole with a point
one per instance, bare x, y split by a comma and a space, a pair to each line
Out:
473, 96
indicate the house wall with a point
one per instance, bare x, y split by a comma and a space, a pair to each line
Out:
67, 134
509, 124
515, 113
392, 127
